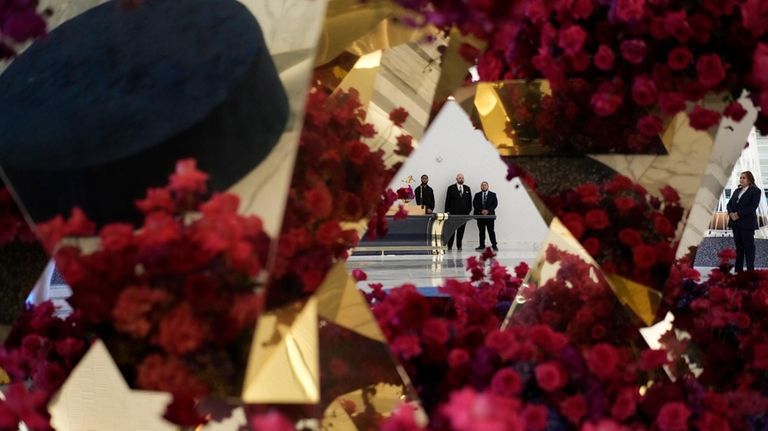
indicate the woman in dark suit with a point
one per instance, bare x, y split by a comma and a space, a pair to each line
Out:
743, 219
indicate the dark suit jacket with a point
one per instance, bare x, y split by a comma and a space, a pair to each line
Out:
425, 196
455, 204
490, 203
746, 207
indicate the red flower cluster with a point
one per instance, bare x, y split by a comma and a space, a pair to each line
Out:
38, 355
19, 22
654, 54
178, 294
577, 302
435, 342
627, 230
337, 179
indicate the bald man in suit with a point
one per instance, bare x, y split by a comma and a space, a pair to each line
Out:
458, 200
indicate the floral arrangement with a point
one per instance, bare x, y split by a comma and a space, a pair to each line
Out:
37, 356
542, 372
20, 22
627, 230
661, 56
338, 179
406, 193
176, 301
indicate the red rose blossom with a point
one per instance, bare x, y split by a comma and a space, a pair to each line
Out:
735, 111
710, 70
755, 16
398, 116
673, 416
574, 408
535, 417
644, 91
604, 58
644, 256
605, 104
506, 382
703, 119
597, 219
679, 58
602, 360
633, 50
671, 103
551, 376
650, 125
760, 65
571, 39
630, 10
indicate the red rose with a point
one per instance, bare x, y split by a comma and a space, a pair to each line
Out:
679, 58
406, 346
643, 91
760, 65
602, 360
624, 204
116, 236
671, 103
712, 422
356, 152
592, 245
580, 61
605, 104
754, 13
735, 111
581, 9
535, 417
574, 223
597, 219
673, 417
644, 256
676, 24
506, 383
652, 359
650, 125
574, 408
571, 39
703, 119
670, 195
458, 358
398, 116
625, 404
319, 200
359, 275
630, 237
180, 332
710, 70
760, 356
663, 226
270, 421
589, 194
630, 10
187, 179
604, 58
551, 376
633, 50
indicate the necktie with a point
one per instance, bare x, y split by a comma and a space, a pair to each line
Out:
461, 190
483, 198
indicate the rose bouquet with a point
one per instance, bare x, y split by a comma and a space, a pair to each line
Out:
175, 301
657, 56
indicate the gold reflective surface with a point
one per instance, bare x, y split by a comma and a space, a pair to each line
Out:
283, 365
96, 397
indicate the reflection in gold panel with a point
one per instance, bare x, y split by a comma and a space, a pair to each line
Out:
697, 165
643, 301
454, 68
283, 365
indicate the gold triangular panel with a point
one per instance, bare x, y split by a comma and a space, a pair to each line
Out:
95, 397
283, 365
340, 302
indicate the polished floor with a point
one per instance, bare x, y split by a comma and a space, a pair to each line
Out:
430, 271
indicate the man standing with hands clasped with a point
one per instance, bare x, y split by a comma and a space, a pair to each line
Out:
458, 200
485, 203
425, 197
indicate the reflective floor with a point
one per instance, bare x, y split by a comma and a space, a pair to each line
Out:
426, 270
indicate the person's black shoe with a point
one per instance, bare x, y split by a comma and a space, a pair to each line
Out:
480, 249
495, 248
450, 248
458, 248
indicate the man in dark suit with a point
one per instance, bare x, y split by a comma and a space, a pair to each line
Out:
485, 203
742, 209
425, 196
458, 200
